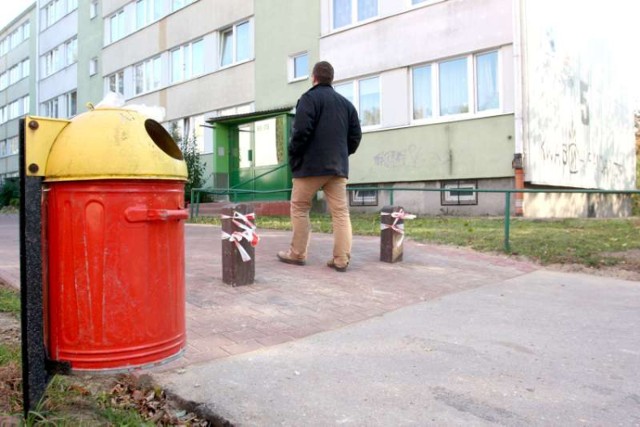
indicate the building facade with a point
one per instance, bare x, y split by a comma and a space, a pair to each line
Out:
452, 94
17, 82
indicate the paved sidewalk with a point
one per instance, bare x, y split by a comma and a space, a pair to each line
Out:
446, 337
288, 302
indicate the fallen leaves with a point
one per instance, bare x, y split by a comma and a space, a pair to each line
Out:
139, 393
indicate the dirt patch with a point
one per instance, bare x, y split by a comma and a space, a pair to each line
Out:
9, 330
85, 399
627, 268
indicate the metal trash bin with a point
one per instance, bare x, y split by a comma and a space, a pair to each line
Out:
114, 212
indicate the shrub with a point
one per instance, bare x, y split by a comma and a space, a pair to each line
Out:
10, 192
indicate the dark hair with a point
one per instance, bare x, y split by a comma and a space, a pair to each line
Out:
323, 72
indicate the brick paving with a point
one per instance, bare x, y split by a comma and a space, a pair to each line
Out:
289, 302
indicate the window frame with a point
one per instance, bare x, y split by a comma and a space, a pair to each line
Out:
71, 100
354, 19
120, 26
421, 3
118, 82
233, 30
472, 89
187, 62
356, 92
358, 199
93, 66
93, 9
150, 81
292, 67
449, 198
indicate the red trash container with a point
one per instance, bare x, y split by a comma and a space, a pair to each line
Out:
114, 233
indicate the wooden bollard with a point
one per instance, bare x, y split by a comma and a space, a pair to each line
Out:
391, 239
238, 241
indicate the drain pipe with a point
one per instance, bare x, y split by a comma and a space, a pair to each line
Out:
518, 157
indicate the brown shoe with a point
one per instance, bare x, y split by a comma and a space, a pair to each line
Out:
288, 258
332, 264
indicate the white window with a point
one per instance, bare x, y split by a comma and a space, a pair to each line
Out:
50, 108
51, 61
487, 94
459, 86
116, 82
71, 51
26, 68
188, 127
459, 193
4, 81
15, 38
13, 145
346, 90
14, 109
53, 12
347, 12
369, 101
4, 46
299, 67
93, 66
60, 57
3, 114
148, 11
25, 104
187, 61
26, 30
93, 9
179, 4
365, 95
236, 44
72, 103
56, 10
359, 197
147, 75
422, 92
14, 74
117, 25
454, 87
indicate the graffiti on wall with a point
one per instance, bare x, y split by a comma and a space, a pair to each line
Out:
579, 123
394, 159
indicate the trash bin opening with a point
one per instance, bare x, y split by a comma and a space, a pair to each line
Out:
162, 139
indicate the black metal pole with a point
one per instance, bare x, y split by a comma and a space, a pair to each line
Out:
34, 373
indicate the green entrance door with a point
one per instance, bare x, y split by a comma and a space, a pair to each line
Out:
261, 160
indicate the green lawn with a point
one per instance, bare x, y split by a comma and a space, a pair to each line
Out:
584, 241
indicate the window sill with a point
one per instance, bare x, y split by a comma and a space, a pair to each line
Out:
299, 79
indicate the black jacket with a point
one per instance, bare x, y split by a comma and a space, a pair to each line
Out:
326, 130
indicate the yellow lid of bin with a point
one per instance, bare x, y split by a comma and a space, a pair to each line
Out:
109, 143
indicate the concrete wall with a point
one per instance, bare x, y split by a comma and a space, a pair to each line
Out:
231, 86
475, 145
90, 39
279, 36
578, 115
478, 148
404, 36
559, 205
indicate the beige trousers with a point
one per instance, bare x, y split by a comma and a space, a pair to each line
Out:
335, 191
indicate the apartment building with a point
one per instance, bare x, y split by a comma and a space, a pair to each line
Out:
452, 94
17, 80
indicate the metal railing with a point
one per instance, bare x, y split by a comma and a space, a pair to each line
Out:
391, 190
196, 192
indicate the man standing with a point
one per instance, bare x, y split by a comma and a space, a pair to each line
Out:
326, 130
